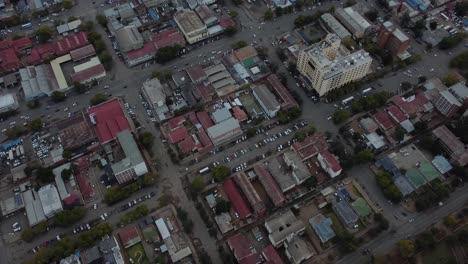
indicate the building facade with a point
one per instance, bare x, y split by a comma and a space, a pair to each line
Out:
325, 68
446, 103
8, 102
191, 26
267, 100
392, 38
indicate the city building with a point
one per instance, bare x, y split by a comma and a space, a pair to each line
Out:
220, 115
221, 80
236, 199
442, 164
37, 81
224, 131
64, 29
297, 250
353, 21
132, 165
108, 120
129, 38
206, 15
8, 102
273, 191
281, 226
446, 103
281, 92
392, 38
250, 193
454, 146
110, 250
9, 61
331, 25
299, 171
33, 206
311, 146
326, 69
243, 250
75, 132
50, 200
12, 204
345, 213
151, 3
89, 74
153, 92
191, 26
145, 53
329, 163
383, 120
167, 38
278, 169
91, 255
266, 99
69, 43
129, 236
82, 53
322, 227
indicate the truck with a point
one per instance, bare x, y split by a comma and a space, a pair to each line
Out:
347, 100
27, 26
21, 150
366, 91
17, 152
10, 154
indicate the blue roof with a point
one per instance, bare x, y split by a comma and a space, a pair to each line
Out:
442, 164
345, 193
153, 14
322, 226
345, 212
389, 166
10, 144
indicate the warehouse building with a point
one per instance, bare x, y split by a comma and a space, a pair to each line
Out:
132, 165
191, 26
267, 100
8, 102
249, 191
224, 131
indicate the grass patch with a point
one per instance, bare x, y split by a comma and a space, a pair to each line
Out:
336, 226
439, 255
137, 254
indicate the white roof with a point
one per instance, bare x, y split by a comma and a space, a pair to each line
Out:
6, 100
221, 114
91, 63
223, 127
33, 206
57, 69
59, 180
50, 200
162, 228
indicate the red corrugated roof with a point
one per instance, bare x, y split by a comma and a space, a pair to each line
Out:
5, 44
252, 259
21, 44
82, 177
311, 146
240, 246
71, 199
411, 106
269, 184
193, 118
177, 135
271, 255
67, 44
396, 113
90, 73
239, 114
147, 49
204, 139
9, 60
110, 120
332, 162
127, 234
227, 22
176, 122
383, 119
186, 145
196, 73
168, 38
250, 192
236, 199
206, 91
33, 58
205, 119
46, 50
83, 52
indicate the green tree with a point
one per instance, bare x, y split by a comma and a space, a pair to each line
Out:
233, 13
58, 96
36, 124
33, 104
44, 33
405, 20
433, 25
101, 19
69, 217
66, 174
115, 194
341, 116
67, 4
45, 175
372, 15
399, 134
461, 8
420, 126
451, 79
364, 156
79, 88
198, 184
167, 54
451, 41
146, 139
220, 173
230, 31
222, 206
407, 248
279, 11
98, 98
106, 60
450, 221
268, 15
239, 44
150, 179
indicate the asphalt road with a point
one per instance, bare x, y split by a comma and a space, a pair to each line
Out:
317, 114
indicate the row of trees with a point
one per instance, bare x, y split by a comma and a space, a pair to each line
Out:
187, 223
19, 130
137, 213
451, 41
69, 216
69, 245
431, 195
29, 234
289, 115
118, 193
96, 39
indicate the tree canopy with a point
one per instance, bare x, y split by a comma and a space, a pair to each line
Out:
407, 248
220, 173
340, 116
44, 33
98, 98
198, 184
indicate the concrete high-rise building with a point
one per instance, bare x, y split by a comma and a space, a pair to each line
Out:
327, 69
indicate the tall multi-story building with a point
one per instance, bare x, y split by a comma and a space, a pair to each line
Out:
392, 38
327, 69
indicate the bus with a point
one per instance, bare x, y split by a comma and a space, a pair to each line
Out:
27, 26
206, 169
366, 91
347, 100
444, 16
